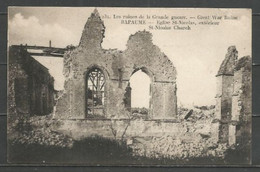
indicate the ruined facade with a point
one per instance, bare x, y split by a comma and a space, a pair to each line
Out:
97, 87
233, 99
96, 101
30, 86
97, 80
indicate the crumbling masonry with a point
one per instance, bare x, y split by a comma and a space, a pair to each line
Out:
97, 96
233, 99
96, 99
30, 86
97, 80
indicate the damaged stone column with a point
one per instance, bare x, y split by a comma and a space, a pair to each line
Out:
233, 99
224, 93
241, 102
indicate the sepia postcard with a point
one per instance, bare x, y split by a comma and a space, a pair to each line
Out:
129, 86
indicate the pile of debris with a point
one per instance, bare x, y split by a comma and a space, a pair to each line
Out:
196, 113
38, 130
169, 147
196, 140
44, 137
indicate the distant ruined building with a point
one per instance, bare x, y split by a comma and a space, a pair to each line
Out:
233, 99
30, 85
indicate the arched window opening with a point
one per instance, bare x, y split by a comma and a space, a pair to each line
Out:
95, 93
140, 84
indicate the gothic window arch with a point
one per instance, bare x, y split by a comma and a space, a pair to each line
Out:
95, 93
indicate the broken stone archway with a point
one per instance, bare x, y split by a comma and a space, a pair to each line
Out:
116, 67
140, 85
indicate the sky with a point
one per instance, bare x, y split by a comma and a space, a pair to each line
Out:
55, 66
196, 54
140, 95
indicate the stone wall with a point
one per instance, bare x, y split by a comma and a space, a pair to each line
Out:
117, 66
118, 128
125, 128
196, 136
242, 101
172, 138
30, 86
233, 99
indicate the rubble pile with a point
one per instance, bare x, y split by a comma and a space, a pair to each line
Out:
196, 141
47, 138
197, 113
169, 147
38, 130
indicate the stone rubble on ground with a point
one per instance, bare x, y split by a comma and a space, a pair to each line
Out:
190, 145
41, 133
169, 147
196, 142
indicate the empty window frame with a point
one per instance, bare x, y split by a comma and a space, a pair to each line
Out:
95, 93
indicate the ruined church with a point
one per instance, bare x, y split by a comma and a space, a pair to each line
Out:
96, 99
97, 80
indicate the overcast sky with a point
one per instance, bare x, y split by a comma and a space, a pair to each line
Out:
196, 54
